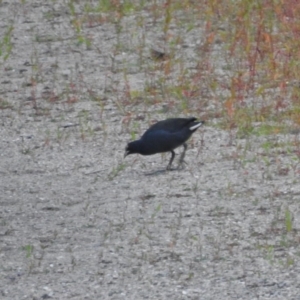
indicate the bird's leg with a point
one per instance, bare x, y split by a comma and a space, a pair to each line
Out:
171, 160
181, 159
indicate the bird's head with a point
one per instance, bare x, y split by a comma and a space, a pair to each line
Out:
127, 150
132, 147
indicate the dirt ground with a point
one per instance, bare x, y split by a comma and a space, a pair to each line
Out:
77, 221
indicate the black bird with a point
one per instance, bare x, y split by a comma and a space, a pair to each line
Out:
165, 136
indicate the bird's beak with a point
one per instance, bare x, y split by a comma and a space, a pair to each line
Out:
126, 153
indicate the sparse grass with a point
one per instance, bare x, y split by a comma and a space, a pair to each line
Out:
288, 220
5, 104
28, 249
257, 42
116, 170
6, 45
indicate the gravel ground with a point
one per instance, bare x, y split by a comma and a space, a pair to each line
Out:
77, 221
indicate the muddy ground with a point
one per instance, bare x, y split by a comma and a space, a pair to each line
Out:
77, 221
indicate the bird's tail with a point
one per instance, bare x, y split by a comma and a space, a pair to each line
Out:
196, 125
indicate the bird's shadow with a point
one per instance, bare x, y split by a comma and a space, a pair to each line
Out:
162, 171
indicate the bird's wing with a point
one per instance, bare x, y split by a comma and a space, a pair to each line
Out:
171, 125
